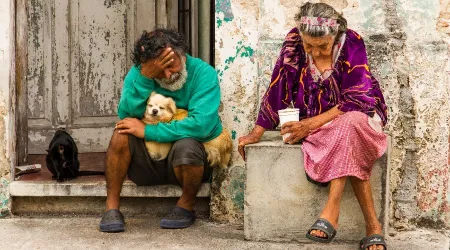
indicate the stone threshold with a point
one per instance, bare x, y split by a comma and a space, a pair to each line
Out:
96, 189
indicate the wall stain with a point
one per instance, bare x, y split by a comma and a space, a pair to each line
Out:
224, 6
241, 51
4, 195
237, 187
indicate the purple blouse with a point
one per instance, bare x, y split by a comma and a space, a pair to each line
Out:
350, 86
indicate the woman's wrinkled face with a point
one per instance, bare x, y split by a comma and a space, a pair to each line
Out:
318, 46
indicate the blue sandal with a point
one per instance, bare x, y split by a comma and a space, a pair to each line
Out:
324, 226
178, 218
112, 221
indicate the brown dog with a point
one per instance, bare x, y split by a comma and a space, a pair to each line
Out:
163, 109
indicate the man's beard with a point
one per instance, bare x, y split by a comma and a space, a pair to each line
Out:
176, 81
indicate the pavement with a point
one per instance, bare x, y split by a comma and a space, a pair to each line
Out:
144, 233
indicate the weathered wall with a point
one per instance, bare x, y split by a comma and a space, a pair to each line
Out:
4, 105
236, 64
408, 47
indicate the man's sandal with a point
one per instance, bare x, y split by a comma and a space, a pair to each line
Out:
112, 221
324, 226
178, 218
374, 239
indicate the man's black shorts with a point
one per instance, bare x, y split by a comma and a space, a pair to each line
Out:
146, 172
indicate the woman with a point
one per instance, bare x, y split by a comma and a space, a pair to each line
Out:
322, 70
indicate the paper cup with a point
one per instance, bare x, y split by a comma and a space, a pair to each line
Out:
288, 115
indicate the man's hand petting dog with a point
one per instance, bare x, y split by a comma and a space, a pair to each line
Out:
131, 126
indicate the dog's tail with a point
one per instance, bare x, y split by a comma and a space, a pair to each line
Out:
85, 172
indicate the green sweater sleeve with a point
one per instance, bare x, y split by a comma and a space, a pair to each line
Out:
203, 118
135, 91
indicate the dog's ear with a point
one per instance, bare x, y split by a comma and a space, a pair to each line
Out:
150, 97
171, 105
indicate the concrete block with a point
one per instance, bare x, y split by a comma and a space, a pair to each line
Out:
281, 205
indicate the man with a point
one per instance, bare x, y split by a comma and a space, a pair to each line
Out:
161, 64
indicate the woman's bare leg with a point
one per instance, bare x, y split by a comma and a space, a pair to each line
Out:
363, 193
332, 208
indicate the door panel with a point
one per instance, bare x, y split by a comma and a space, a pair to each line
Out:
78, 56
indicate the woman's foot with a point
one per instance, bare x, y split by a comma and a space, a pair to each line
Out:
332, 207
374, 229
333, 221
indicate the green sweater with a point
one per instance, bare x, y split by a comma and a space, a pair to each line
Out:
200, 96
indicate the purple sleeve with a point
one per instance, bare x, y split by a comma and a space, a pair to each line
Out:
271, 101
356, 83
278, 95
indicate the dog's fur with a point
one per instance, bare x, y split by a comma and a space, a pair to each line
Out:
163, 109
62, 158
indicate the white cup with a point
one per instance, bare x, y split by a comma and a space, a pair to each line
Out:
288, 115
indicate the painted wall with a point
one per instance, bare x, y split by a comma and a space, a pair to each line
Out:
408, 47
4, 105
237, 66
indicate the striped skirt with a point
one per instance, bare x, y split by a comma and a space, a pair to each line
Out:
346, 146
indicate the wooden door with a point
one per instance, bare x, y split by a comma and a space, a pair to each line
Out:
78, 56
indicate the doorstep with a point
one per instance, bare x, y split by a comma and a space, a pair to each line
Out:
41, 184
96, 188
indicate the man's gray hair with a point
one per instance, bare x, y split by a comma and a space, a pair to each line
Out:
322, 10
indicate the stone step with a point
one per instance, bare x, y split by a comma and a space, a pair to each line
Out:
96, 188
95, 206
81, 197
280, 204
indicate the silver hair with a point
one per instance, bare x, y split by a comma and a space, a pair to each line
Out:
322, 10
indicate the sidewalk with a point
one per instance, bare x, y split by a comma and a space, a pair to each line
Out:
144, 233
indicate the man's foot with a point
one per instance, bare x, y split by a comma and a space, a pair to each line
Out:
178, 218
112, 221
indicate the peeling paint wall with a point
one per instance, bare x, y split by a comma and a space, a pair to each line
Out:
408, 49
236, 64
4, 106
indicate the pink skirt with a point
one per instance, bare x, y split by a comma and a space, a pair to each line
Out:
347, 146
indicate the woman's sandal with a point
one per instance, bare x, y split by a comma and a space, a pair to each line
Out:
374, 239
324, 226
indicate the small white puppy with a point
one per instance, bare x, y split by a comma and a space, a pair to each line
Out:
163, 109
159, 109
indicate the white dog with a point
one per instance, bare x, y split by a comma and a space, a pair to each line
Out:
163, 109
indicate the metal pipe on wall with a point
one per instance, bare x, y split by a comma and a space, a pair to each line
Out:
204, 30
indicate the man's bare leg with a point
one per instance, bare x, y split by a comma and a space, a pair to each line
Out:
332, 208
118, 159
182, 215
363, 193
190, 178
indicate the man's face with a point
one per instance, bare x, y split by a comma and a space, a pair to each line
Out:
172, 71
174, 76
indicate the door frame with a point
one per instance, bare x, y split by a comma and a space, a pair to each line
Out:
18, 83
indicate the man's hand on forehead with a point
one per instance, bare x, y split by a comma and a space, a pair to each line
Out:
154, 67
166, 57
